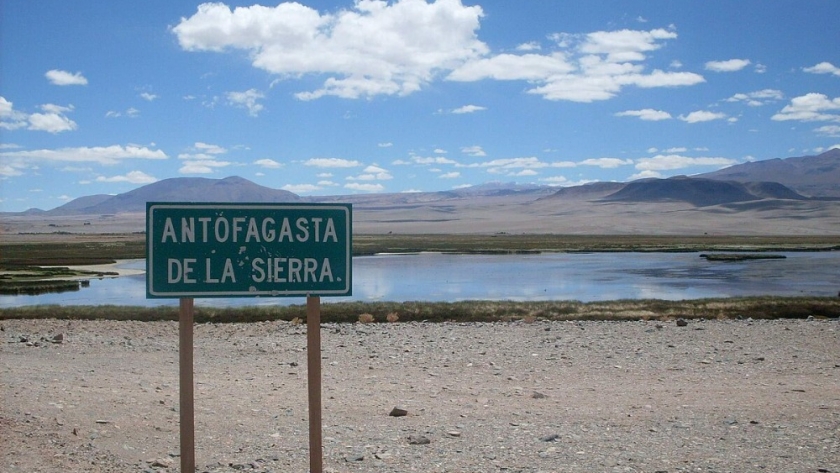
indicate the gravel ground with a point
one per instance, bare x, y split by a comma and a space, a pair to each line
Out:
712, 396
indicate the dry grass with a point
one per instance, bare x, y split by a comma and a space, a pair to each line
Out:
463, 311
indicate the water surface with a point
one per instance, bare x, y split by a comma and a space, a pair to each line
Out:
549, 276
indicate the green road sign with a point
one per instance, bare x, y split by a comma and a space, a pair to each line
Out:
248, 250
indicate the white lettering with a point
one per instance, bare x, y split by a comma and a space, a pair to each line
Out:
175, 271
304, 229
257, 272
207, 273
168, 231
285, 231
222, 237
252, 231
227, 272
187, 230
268, 233
330, 231
326, 271
237, 228
204, 221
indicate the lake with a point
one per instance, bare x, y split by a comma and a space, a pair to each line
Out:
549, 276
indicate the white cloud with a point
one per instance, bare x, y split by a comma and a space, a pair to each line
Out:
676, 161
208, 148
147, 96
432, 160
372, 173
468, 109
301, 188
373, 48
8, 170
702, 116
356, 186
730, 65
59, 77
100, 154
11, 119
530, 46
646, 175
823, 68
439, 151
829, 130
606, 163
247, 100
647, 114
474, 150
202, 166
133, 177
758, 98
268, 163
810, 108
450, 175
385, 145
591, 67
332, 163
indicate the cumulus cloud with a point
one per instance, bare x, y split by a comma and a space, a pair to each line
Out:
606, 163
395, 48
585, 68
823, 68
810, 108
59, 77
702, 116
148, 96
474, 150
450, 175
374, 48
372, 173
731, 65
268, 163
100, 154
468, 109
247, 100
301, 188
366, 187
647, 114
758, 98
331, 163
52, 118
133, 177
675, 161
829, 130
202, 159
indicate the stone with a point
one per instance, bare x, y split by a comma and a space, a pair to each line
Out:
58, 338
681, 323
538, 395
418, 440
550, 437
398, 412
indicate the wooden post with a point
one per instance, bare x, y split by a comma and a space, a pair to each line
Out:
313, 357
187, 407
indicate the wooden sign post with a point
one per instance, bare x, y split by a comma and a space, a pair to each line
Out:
313, 365
186, 386
248, 250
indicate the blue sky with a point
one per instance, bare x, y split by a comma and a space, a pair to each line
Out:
340, 97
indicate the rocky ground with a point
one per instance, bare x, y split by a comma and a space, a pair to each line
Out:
711, 396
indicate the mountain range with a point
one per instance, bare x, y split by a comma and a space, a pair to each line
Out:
793, 195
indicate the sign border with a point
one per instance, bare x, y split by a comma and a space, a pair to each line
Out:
151, 293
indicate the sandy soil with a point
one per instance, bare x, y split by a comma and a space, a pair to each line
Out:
717, 396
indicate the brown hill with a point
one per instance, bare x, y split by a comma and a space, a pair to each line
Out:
814, 176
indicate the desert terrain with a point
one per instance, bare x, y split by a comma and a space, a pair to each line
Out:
713, 395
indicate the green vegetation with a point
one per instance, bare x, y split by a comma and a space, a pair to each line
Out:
464, 311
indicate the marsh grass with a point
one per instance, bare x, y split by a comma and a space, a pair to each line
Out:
463, 311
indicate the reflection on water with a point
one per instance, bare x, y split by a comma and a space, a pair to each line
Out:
550, 276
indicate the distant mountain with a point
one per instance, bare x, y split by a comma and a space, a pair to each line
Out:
815, 176
700, 192
591, 191
181, 189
